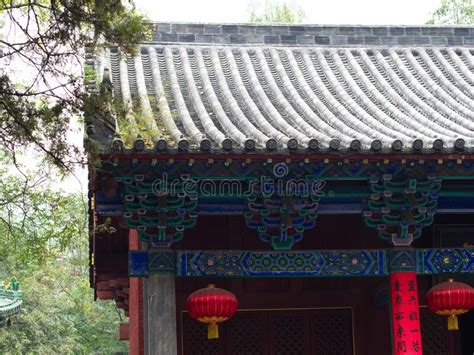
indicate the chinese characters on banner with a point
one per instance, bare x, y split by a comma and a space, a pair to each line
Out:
405, 314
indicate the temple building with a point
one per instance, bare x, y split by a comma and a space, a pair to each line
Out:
321, 174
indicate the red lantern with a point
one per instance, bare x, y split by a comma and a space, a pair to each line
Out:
451, 299
212, 305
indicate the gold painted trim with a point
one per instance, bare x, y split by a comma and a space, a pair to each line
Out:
283, 309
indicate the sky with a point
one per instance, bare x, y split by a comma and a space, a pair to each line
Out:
363, 12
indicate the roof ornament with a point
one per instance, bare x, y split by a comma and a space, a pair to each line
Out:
139, 144
438, 144
397, 145
161, 144
271, 144
205, 144
376, 145
292, 144
313, 144
459, 143
249, 144
355, 145
183, 144
418, 144
334, 144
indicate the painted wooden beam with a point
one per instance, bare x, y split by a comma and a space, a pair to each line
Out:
327, 206
300, 263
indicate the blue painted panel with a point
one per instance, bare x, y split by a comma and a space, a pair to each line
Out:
138, 264
302, 263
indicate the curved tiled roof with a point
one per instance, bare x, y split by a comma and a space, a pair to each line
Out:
10, 302
284, 98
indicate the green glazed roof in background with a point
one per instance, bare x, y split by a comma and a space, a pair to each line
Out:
10, 302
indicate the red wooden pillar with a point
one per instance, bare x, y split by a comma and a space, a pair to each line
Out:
405, 313
136, 342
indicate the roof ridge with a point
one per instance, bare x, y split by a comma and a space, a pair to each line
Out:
305, 34
307, 24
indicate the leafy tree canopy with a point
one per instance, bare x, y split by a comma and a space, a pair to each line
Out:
44, 244
41, 88
37, 221
453, 12
275, 11
59, 314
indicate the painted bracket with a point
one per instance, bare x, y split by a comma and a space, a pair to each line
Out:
159, 211
399, 210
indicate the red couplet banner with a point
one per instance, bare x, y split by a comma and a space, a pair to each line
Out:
405, 314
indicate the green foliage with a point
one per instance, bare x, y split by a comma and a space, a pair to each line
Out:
36, 222
453, 12
132, 122
44, 243
39, 122
43, 232
51, 41
89, 74
59, 315
275, 11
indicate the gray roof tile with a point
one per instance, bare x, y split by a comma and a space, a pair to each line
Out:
341, 98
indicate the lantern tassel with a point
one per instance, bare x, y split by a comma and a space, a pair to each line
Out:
212, 331
453, 323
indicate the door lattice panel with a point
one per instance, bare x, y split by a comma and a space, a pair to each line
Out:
246, 332
434, 334
332, 332
275, 332
288, 333
196, 339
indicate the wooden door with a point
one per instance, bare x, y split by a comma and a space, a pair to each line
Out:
275, 332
